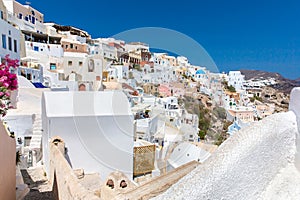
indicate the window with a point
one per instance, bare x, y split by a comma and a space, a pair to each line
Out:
67, 46
69, 63
76, 47
71, 46
33, 20
80, 63
20, 16
36, 48
9, 44
2, 14
15, 46
26, 18
52, 66
3, 41
27, 140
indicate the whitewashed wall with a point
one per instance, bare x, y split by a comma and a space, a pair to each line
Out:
97, 128
295, 107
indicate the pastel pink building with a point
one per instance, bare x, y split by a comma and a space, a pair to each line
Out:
172, 89
164, 90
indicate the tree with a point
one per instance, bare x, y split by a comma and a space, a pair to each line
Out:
201, 134
231, 89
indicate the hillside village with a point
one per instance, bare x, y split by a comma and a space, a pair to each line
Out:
106, 110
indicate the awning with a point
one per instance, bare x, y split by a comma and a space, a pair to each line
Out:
39, 85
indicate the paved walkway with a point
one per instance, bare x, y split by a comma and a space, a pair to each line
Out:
38, 184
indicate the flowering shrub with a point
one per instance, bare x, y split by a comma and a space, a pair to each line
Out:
8, 83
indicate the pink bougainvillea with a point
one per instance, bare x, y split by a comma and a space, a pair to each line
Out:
8, 83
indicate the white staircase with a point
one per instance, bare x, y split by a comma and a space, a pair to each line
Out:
36, 139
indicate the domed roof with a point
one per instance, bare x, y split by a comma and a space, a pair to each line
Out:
200, 71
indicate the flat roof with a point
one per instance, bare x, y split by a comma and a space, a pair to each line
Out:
85, 103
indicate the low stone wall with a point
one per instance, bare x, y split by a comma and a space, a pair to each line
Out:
157, 185
7, 165
65, 183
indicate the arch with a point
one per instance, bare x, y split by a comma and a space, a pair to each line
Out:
110, 183
123, 184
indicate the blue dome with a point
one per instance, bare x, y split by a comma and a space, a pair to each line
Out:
200, 71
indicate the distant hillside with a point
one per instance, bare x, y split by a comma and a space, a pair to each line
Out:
258, 74
284, 85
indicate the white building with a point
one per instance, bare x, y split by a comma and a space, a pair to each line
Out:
185, 153
198, 74
87, 67
161, 74
111, 40
146, 128
189, 133
136, 46
183, 61
43, 56
10, 39
43, 49
24, 17
97, 128
67, 32
236, 79
121, 72
259, 83
101, 47
161, 59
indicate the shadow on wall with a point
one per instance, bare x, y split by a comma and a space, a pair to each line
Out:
7, 164
55, 187
295, 107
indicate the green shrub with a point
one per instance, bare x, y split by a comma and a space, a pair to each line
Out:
220, 112
202, 134
231, 88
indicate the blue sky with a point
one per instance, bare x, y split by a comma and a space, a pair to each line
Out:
238, 34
